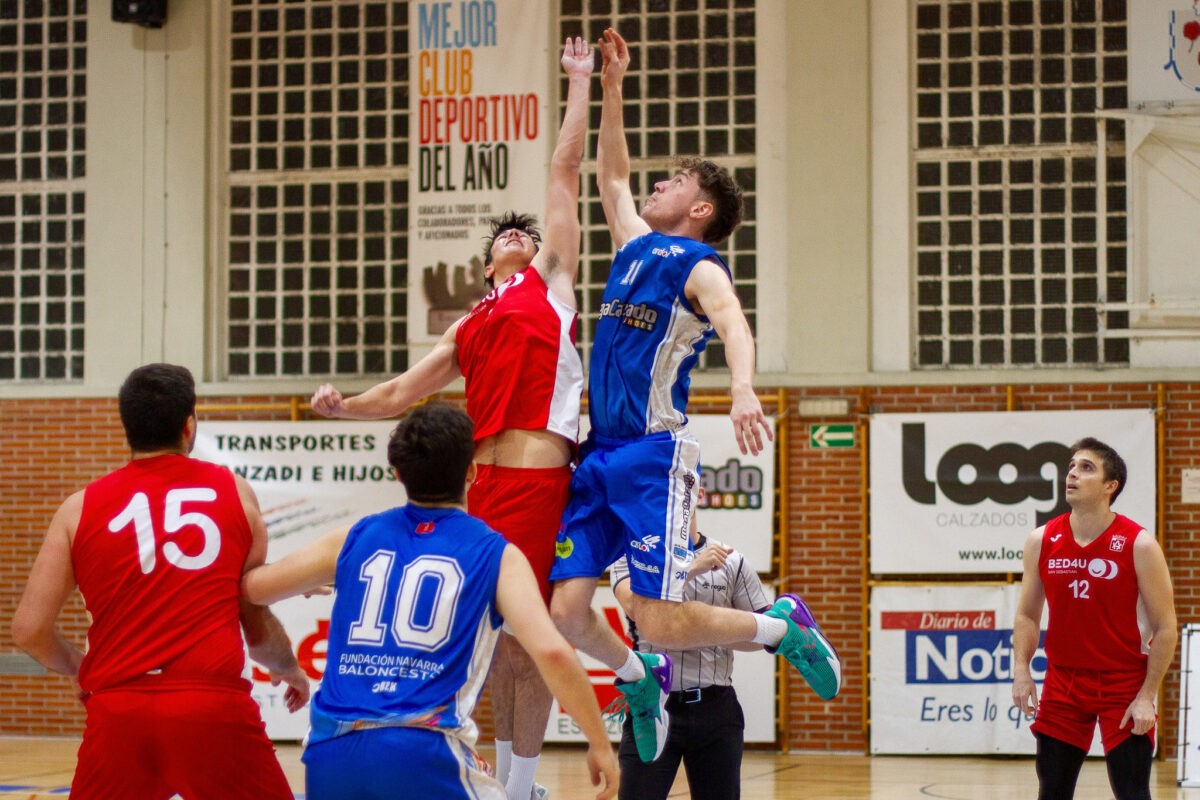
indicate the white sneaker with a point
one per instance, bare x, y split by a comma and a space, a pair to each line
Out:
539, 792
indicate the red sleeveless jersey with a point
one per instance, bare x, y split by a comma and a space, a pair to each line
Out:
158, 557
516, 350
1092, 593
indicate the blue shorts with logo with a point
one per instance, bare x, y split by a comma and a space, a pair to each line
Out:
397, 764
634, 498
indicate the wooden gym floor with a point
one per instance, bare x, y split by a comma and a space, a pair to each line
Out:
40, 769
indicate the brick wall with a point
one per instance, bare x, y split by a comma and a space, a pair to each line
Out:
52, 447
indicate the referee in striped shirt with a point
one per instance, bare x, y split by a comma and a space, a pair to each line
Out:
706, 727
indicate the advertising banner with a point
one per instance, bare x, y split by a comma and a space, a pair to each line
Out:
483, 133
739, 503
310, 478
1164, 51
1189, 707
960, 493
753, 680
941, 671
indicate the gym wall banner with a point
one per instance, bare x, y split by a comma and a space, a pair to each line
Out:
1162, 51
753, 680
941, 671
960, 493
310, 478
1188, 772
482, 133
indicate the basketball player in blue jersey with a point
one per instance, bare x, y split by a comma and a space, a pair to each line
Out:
421, 592
635, 489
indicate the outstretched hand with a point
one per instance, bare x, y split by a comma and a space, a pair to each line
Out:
577, 57
604, 772
749, 423
296, 695
616, 57
327, 401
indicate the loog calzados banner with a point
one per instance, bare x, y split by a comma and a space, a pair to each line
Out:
961, 493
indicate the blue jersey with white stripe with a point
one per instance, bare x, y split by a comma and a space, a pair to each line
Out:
647, 339
414, 624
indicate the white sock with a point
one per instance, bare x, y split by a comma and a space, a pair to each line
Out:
520, 780
633, 670
503, 760
771, 630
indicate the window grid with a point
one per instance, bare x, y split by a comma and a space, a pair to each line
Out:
690, 90
1006, 218
43, 95
316, 189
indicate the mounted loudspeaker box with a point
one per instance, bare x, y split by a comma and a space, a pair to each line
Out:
147, 13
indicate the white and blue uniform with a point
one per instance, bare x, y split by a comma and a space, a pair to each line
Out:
634, 491
411, 636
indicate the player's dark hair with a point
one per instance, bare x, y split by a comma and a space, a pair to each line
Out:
1114, 465
722, 191
507, 221
431, 449
155, 402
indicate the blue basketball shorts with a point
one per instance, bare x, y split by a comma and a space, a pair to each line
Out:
634, 498
397, 764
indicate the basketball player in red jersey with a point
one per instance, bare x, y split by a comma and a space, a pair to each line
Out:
1111, 635
157, 549
524, 379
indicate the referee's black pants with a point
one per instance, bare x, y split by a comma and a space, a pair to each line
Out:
706, 734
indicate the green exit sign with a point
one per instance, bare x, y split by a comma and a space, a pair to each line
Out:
823, 436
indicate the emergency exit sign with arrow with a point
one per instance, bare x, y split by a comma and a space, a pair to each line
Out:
823, 436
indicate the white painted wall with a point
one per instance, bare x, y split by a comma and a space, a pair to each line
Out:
834, 260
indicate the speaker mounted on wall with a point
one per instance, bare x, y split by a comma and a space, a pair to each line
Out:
147, 13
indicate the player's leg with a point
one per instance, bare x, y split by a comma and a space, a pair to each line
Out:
119, 753
587, 543
591, 539
1058, 765
571, 609
1129, 768
525, 505
500, 689
1064, 727
641, 780
714, 729
1128, 757
219, 748
532, 702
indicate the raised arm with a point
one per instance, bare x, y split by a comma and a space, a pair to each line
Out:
710, 292
51, 581
266, 639
520, 603
1158, 597
392, 398
558, 258
304, 570
612, 151
1027, 626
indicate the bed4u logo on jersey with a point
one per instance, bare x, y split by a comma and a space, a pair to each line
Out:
1099, 568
